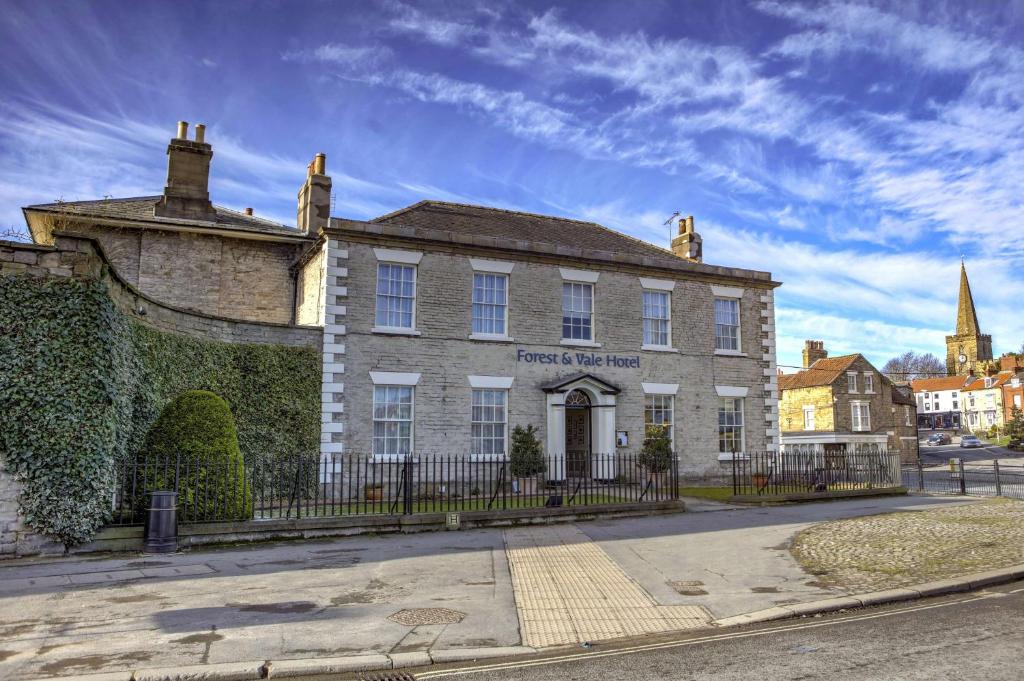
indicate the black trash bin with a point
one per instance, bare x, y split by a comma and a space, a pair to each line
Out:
162, 523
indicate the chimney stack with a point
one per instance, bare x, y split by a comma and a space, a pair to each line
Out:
813, 351
314, 210
186, 194
687, 244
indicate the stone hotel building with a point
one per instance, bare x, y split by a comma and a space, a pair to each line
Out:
445, 325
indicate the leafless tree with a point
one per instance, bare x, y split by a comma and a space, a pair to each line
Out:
910, 365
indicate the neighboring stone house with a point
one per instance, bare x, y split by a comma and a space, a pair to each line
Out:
840, 401
182, 250
446, 325
1013, 395
939, 401
983, 402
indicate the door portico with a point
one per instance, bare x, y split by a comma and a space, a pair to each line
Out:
597, 419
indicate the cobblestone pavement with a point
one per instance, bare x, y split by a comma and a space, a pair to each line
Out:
903, 549
568, 590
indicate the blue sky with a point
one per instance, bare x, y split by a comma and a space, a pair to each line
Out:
856, 151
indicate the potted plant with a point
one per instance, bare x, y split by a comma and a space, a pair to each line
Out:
656, 452
526, 458
374, 491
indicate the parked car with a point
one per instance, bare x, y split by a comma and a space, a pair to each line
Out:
968, 441
939, 439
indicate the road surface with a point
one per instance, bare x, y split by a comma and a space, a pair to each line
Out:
964, 637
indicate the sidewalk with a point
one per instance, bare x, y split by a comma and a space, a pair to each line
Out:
443, 594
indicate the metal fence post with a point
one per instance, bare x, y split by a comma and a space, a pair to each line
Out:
407, 486
963, 480
999, 486
920, 476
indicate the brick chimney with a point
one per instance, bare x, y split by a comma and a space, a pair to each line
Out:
813, 351
687, 244
187, 194
314, 210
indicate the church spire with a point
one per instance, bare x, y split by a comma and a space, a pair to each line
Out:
966, 316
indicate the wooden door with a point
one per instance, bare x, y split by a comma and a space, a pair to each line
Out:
577, 442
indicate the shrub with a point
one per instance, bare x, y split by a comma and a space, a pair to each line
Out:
195, 435
656, 453
526, 458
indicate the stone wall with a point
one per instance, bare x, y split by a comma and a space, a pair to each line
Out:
791, 410
445, 356
84, 258
212, 274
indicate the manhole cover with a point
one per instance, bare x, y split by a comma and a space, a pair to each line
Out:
414, 616
689, 587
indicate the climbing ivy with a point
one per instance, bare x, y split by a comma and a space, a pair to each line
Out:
81, 385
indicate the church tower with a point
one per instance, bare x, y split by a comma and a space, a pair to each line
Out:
968, 351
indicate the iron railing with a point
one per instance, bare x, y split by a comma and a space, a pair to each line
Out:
355, 484
803, 469
969, 479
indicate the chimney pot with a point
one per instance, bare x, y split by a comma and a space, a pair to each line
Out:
320, 164
182, 130
248, 211
200, 133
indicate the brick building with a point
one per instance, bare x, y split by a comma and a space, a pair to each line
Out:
939, 401
837, 401
445, 325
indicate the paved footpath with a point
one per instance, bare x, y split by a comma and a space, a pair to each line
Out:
404, 596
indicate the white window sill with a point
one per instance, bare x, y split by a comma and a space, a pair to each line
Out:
727, 456
395, 331
658, 348
493, 337
730, 353
579, 343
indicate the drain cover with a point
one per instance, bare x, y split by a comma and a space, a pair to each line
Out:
388, 676
688, 587
415, 616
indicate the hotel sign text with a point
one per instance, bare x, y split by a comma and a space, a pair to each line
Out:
581, 359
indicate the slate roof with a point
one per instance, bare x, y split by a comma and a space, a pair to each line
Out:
822, 372
139, 212
510, 224
901, 394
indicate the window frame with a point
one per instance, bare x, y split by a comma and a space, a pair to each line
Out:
667, 320
387, 328
592, 312
650, 408
858, 422
851, 383
869, 383
385, 455
810, 424
488, 335
473, 452
739, 427
734, 300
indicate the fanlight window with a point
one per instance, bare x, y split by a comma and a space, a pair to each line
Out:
577, 399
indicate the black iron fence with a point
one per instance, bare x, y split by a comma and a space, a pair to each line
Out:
993, 479
353, 484
819, 469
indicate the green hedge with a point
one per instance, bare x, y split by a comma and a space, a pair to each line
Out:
82, 384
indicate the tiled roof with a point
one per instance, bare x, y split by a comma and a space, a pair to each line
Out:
997, 380
822, 372
510, 224
139, 211
938, 384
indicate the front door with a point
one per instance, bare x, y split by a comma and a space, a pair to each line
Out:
577, 435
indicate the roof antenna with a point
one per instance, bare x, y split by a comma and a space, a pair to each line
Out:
668, 223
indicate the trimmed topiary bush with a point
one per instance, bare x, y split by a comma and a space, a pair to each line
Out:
525, 456
195, 440
656, 454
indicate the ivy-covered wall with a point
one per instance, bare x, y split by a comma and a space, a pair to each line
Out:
81, 384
